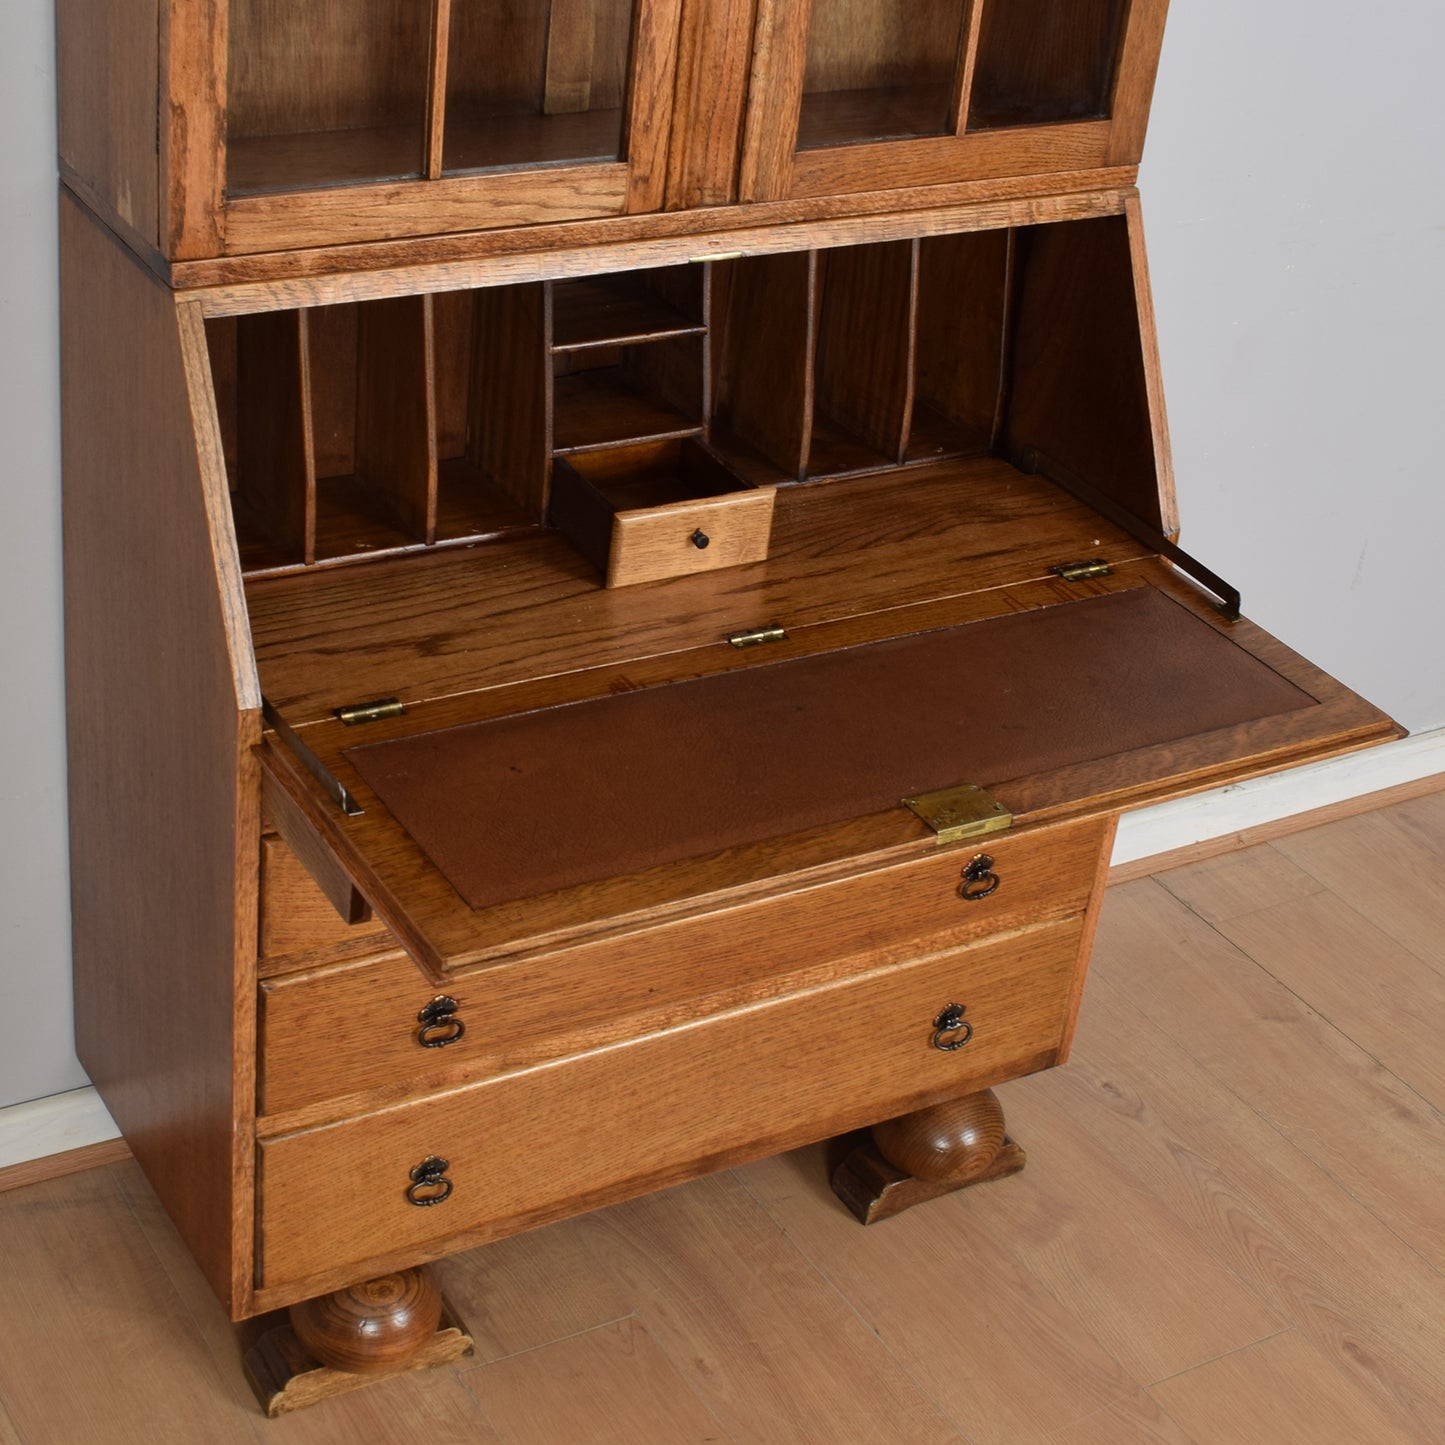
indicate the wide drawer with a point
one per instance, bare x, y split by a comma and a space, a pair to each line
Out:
557, 1139
358, 1026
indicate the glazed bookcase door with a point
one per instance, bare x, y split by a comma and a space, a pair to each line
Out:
351, 120
854, 95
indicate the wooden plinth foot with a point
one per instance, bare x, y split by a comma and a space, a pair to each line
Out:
337, 1343
926, 1155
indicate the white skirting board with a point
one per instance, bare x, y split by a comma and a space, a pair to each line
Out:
53, 1126
1235, 809
75, 1119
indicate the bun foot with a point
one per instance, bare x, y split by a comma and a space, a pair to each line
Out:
341, 1341
373, 1327
925, 1155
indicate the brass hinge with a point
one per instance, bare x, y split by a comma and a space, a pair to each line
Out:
1082, 571
365, 712
757, 635
965, 811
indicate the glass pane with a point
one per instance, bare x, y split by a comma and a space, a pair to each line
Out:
879, 70
536, 82
325, 94
1045, 60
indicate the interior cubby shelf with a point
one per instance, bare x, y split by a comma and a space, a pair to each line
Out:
378, 427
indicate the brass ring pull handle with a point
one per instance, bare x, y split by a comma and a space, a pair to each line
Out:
951, 1031
429, 1184
439, 1024
979, 879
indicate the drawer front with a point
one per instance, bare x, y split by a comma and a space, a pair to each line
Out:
554, 1140
677, 540
356, 1026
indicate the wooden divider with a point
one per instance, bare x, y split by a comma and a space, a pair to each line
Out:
396, 450
1078, 389
964, 285
274, 496
868, 302
764, 336
967, 64
510, 434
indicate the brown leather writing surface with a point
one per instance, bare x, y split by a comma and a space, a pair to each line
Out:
517, 806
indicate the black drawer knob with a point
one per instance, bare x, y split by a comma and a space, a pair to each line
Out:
951, 1031
440, 1025
429, 1184
700, 539
979, 879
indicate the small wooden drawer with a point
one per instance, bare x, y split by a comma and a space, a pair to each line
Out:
662, 509
356, 1026
547, 1142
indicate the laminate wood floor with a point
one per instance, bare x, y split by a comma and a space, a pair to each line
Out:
1231, 1231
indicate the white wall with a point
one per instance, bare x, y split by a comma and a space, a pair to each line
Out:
1293, 192
35, 1021
1294, 200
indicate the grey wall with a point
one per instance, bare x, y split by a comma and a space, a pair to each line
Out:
1296, 214
1294, 200
35, 1023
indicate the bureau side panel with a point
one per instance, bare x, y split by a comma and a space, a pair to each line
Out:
106, 67
161, 709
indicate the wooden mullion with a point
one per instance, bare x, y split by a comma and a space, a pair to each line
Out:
656, 36
711, 94
775, 99
436, 100
967, 64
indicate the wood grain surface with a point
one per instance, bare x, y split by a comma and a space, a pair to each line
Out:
329, 142
1061, 785
668, 1106
367, 1010
158, 750
107, 69
712, 87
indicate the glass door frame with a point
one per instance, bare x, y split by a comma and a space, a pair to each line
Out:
774, 169
203, 221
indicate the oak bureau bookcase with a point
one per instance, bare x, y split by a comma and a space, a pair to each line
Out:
621, 567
